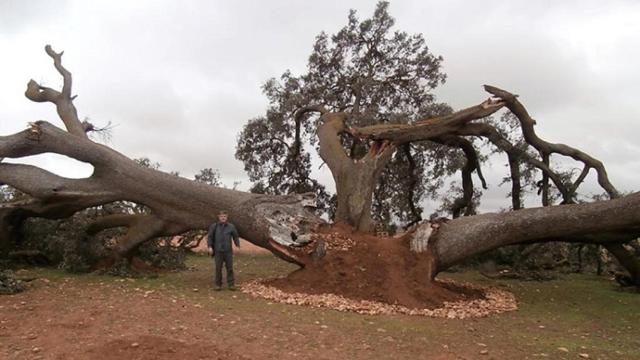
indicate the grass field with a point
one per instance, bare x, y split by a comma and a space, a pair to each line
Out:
560, 319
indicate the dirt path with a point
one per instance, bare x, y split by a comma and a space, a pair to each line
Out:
178, 316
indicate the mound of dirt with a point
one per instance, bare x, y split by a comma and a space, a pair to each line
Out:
155, 347
372, 274
496, 301
382, 269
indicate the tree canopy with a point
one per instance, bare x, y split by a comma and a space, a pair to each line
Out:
375, 74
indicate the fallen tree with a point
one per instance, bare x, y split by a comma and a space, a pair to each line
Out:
287, 224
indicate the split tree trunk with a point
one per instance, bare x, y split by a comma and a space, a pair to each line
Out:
355, 179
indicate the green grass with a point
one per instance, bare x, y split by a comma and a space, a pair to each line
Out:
582, 313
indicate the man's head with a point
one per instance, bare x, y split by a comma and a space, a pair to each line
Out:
222, 216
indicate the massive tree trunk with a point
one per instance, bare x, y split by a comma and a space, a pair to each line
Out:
176, 204
284, 224
605, 222
355, 179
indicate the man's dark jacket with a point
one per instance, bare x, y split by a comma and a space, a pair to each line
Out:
220, 236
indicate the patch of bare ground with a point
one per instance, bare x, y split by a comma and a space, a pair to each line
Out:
179, 316
148, 347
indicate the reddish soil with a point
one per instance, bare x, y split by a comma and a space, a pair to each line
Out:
70, 318
148, 347
375, 268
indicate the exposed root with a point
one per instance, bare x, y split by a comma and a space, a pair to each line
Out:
495, 301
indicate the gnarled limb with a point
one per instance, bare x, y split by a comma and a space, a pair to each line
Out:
627, 259
543, 185
472, 164
417, 217
51, 188
355, 179
63, 100
596, 222
546, 149
579, 180
140, 228
489, 132
428, 128
516, 187
527, 124
43, 137
180, 204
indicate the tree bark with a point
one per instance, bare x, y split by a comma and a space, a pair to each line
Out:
177, 204
464, 237
355, 179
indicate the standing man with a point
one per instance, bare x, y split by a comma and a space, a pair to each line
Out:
219, 240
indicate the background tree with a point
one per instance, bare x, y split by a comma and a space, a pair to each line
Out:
375, 75
208, 176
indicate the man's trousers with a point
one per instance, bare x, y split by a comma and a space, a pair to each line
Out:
226, 258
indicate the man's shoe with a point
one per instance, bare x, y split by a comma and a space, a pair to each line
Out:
217, 288
232, 288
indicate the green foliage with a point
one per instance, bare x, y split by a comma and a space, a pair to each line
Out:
64, 242
67, 246
209, 176
9, 284
544, 261
160, 254
377, 75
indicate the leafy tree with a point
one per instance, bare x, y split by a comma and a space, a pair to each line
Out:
376, 75
208, 176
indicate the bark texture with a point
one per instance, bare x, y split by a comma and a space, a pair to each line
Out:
614, 220
355, 178
176, 204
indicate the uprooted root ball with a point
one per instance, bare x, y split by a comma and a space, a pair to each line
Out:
379, 275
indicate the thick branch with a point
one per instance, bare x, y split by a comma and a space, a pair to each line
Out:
355, 179
489, 132
298, 117
179, 204
579, 180
627, 259
429, 128
464, 237
63, 100
51, 188
467, 170
113, 221
43, 137
331, 150
527, 124
544, 183
141, 229
413, 182
516, 187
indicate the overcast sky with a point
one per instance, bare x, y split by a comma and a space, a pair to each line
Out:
180, 78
